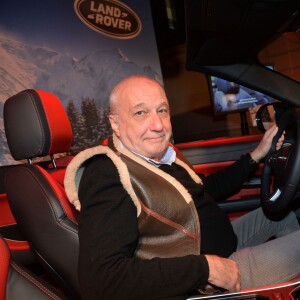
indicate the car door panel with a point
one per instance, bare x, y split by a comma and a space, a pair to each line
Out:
210, 156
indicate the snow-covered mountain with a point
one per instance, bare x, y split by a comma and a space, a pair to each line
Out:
92, 76
24, 66
21, 65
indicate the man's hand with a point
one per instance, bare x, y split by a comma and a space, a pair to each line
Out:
223, 273
265, 144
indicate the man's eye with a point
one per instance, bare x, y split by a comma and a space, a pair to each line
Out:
163, 111
140, 113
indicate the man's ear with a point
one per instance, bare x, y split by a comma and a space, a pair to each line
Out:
113, 119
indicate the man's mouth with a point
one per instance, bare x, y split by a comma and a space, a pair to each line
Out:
156, 139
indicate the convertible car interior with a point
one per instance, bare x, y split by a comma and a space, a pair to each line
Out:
39, 243
48, 221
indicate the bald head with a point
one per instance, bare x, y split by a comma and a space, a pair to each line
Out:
132, 83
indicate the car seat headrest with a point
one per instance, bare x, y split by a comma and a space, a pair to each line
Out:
36, 124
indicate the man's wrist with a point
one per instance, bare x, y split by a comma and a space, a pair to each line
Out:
253, 160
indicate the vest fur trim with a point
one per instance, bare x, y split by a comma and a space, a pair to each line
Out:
76, 167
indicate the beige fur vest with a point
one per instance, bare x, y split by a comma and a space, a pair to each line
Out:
168, 222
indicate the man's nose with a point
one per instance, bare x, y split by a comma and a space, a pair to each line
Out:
156, 122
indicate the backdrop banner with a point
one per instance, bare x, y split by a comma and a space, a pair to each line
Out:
77, 50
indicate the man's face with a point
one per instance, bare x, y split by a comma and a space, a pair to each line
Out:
142, 119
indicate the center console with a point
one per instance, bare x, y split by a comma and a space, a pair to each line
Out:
286, 291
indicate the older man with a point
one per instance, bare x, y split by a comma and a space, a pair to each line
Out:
149, 227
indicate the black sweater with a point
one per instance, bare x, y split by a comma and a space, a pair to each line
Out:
108, 235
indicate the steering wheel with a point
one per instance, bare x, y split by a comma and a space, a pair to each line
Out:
289, 162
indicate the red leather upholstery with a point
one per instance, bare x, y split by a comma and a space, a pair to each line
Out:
4, 263
37, 125
18, 283
9, 230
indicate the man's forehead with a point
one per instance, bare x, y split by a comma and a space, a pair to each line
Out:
137, 104
141, 92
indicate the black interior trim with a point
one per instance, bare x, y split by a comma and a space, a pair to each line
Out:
240, 205
11, 232
217, 153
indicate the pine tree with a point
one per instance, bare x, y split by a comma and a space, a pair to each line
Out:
105, 128
91, 118
77, 124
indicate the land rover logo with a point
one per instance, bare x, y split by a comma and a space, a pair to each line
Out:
109, 17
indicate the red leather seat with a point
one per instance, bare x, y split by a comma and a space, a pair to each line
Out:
16, 282
36, 125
